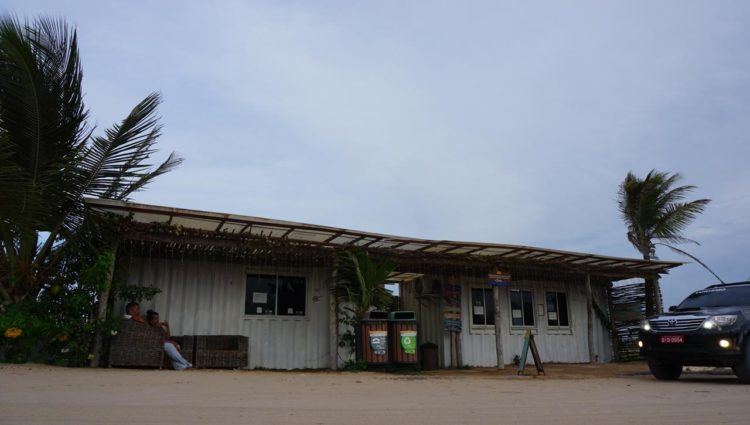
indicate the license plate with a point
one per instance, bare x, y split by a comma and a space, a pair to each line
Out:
672, 339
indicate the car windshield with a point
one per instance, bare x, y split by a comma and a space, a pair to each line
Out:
717, 297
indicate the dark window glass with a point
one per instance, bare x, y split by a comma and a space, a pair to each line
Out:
552, 313
562, 305
477, 306
717, 297
482, 306
275, 295
516, 308
291, 296
521, 308
528, 309
489, 306
260, 294
557, 309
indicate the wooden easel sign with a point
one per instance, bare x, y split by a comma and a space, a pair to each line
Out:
528, 342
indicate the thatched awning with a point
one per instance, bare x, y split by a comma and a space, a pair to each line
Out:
232, 231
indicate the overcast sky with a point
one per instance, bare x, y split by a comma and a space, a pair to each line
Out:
506, 122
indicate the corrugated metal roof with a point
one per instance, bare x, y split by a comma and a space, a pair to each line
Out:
337, 237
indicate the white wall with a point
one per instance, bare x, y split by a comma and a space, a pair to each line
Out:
208, 298
555, 345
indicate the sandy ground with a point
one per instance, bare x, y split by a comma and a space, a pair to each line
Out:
569, 394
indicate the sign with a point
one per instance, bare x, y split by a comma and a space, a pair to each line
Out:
528, 343
452, 325
452, 306
499, 278
379, 342
409, 342
260, 298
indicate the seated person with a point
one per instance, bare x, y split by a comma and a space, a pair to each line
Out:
133, 312
171, 348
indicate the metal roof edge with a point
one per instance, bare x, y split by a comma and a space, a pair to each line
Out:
129, 206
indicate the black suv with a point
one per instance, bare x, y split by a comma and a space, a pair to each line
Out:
710, 328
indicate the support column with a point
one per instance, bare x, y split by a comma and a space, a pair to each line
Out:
612, 324
101, 309
333, 324
590, 316
498, 328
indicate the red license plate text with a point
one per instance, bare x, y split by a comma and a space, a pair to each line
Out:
672, 339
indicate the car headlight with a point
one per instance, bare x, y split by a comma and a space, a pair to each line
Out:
716, 321
645, 325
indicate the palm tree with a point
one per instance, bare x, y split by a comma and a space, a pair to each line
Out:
49, 158
654, 209
360, 282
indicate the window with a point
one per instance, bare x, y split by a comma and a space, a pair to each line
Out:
557, 309
482, 306
521, 308
271, 295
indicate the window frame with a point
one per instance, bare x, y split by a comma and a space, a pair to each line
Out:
557, 306
277, 279
485, 292
533, 310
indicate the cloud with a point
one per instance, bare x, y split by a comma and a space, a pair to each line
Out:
498, 122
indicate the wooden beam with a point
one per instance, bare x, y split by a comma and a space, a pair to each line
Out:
333, 324
290, 230
498, 328
247, 226
513, 251
371, 242
335, 235
590, 316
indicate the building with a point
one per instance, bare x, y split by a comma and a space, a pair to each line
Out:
225, 274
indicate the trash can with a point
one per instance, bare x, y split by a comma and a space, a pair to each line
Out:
372, 339
402, 326
429, 353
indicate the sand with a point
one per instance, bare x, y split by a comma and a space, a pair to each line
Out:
570, 394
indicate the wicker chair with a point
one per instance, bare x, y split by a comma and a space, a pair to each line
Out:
137, 345
221, 351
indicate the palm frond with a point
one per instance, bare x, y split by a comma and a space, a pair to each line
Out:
360, 281
115, 166
42, 115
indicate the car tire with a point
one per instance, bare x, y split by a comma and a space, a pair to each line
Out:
742, 369
665, 371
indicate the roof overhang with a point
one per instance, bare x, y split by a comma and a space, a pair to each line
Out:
333, 237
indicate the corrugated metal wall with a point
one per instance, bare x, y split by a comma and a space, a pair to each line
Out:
208, 298
478, 343
429, 316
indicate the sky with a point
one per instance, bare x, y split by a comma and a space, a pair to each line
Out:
501, 121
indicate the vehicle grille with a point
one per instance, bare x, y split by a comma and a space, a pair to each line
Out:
676, 325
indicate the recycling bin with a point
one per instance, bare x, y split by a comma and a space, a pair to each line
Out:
402, 328
372, 339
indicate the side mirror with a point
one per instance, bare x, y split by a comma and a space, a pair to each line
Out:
672, 307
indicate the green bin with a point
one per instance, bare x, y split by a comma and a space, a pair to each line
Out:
402, 329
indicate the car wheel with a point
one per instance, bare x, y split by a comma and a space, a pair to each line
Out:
742, 369
665, 370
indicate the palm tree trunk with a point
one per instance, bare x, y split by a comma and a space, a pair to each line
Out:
653, 292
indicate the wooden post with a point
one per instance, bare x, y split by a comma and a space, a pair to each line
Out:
590, 316
459, 350
612, 324
498, 328
333, 324
454, 363
101, 310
